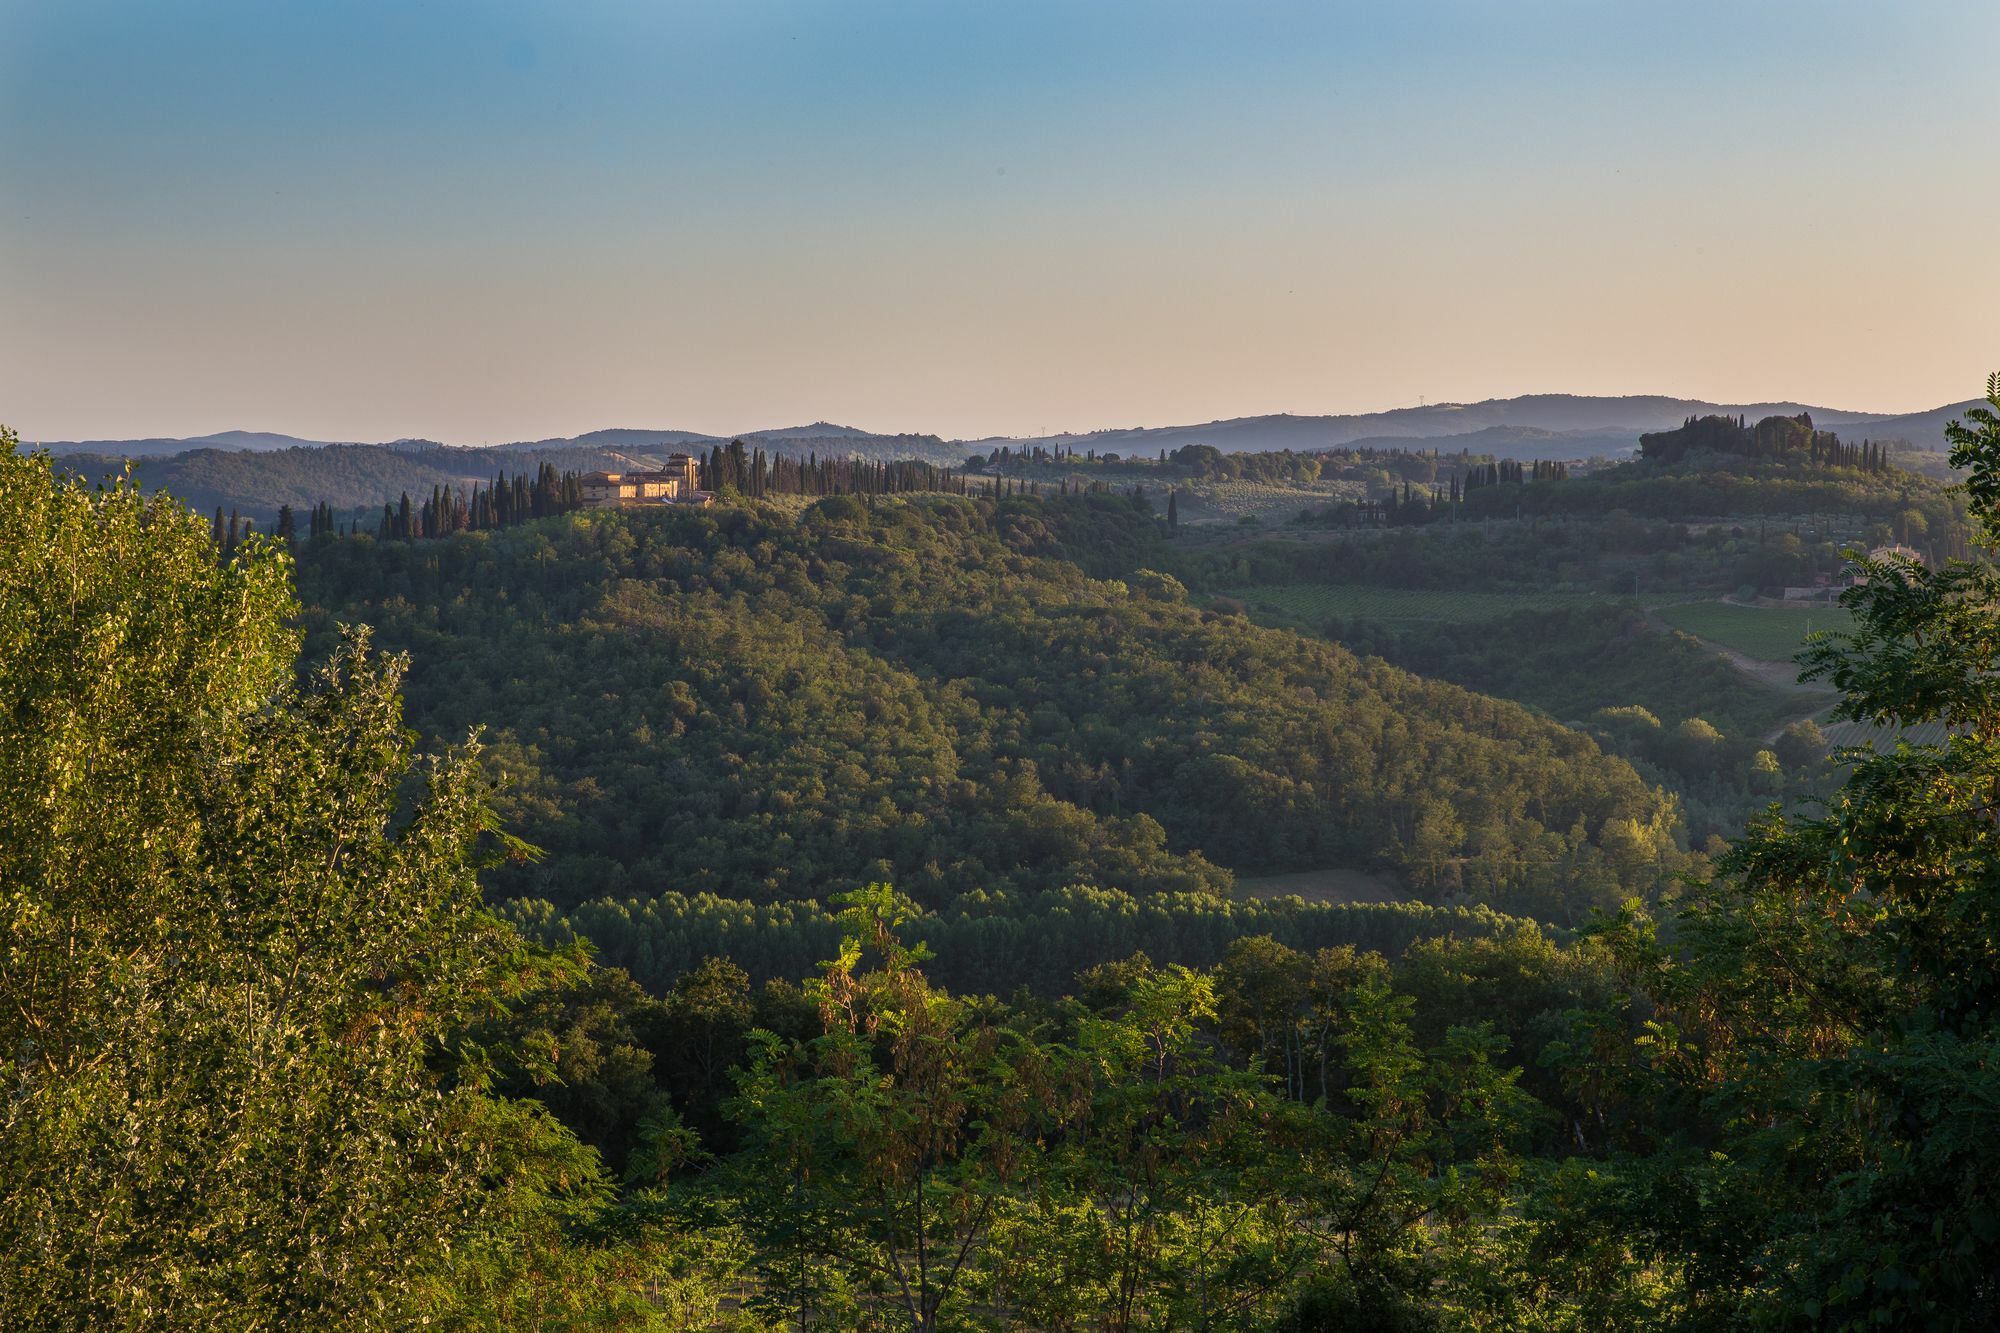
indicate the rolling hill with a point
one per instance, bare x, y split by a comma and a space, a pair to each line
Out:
1605, 419
257, 471
226, 441
1921, 430
350, 477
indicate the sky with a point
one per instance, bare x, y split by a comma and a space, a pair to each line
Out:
499, 220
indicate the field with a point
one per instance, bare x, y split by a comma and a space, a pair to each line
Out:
1316, 603
1270, 504
1322, 886
1768, 633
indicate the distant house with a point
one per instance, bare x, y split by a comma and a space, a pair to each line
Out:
676, 483
1895, 552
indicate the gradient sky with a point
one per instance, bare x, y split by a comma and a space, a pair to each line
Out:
361, 219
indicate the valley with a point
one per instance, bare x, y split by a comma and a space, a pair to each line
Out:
1013, 668
1416, 754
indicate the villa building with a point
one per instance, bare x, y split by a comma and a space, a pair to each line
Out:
677, 483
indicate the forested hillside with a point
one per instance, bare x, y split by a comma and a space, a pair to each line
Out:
355, 479
1714, 484
1773, 437
928, 691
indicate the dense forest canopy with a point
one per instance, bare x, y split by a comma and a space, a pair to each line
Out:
925, 690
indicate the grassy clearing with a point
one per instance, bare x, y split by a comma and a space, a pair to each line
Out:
1316, 603
1767, 633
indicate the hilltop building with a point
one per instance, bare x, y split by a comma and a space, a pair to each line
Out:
677, 483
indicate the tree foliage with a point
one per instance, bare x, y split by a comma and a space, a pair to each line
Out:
1828, 1002
234, 941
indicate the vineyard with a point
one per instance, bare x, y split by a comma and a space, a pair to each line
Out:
1317, 603
1768, 633
1843, 734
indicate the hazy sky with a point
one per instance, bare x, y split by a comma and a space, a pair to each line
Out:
359, 219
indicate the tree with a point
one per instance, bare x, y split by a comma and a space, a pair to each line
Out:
1802, 745
893, 1139
234, 950
701, 1035
1160, 1205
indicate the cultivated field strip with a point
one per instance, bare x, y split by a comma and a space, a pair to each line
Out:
1320, 602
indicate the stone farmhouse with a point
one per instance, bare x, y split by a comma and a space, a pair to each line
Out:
677, 483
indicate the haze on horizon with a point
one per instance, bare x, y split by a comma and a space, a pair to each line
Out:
498, 221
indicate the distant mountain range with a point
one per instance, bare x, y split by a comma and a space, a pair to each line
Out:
1533, 425
1924, 430
229, 441
1520, 443
1552, 422
820, 436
